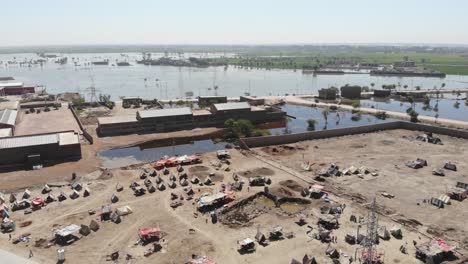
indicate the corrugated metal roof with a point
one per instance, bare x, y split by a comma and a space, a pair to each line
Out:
232, 106
6, 132
8, 117
165, 112
18, 142
11, 84
116, 119
13, 105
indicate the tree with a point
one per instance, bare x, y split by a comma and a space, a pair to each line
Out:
325, 113
413, 115
311, 124
410, 100
372, 85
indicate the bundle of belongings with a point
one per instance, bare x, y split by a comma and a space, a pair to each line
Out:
417, 164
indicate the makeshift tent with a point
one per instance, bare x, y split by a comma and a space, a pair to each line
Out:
180, 168
172, 177
161, 186
450, 166
119, 187
350, 239
115, 218
143, 175
114, 198
124, 210
20, 204
333, 170
76, 186
106, 210
457, 193
195, 180
62, 196
436, 202
332, 252
276, 233
93, 225
172, 184
149, 233
26, 194
7, 225
139, 191
201, 260
46, 189
246, 245
444, 198
184, 182
12, 197
158, 179
438, 172
37, 202
50, 198
153, 173
396, 232
84, 230
75, 194
86, 192
261, 239
328, 221
208, 181
151, 188
65, 235
308, 260
383, 233
462, 185
147, 182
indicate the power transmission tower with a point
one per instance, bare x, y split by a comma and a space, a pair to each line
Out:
368, 246
92, 91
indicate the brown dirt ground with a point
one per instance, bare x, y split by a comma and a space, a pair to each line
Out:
219, 241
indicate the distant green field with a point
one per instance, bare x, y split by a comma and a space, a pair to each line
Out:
446, 63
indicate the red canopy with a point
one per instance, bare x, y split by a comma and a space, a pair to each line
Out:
149, 232
37, 201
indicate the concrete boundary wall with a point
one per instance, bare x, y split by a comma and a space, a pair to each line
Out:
254, 142
85, 133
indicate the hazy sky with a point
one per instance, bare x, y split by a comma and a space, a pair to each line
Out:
41, 22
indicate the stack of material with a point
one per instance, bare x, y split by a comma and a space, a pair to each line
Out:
333, 170
434, 251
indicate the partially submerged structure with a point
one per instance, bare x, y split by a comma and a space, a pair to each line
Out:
163, 120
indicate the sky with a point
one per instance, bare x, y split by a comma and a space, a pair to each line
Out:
81, 22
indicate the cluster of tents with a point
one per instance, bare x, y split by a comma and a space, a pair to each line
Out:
167, 162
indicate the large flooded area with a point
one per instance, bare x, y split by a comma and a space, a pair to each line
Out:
177, 82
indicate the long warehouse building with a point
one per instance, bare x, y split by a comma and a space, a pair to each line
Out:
163, 120
40, 149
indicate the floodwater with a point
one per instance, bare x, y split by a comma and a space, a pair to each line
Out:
115, 158
174, 82
448, 107
336, 119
